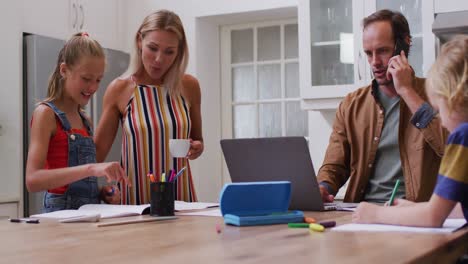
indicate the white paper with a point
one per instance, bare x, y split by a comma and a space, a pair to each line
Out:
62, 214
449, 226
105, 210
213, 212
117, 210
184, 206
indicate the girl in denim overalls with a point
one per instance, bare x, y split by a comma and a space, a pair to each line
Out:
62, 154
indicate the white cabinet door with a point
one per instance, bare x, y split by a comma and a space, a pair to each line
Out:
11, 129
61, 18
443, 6
331, 60
9, 209
100, 19
420, 15
47, 17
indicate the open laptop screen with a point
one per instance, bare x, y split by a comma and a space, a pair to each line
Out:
275, 159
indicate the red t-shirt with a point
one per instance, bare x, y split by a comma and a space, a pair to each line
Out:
57, 154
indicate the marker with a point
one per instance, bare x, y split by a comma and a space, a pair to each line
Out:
179, 173
316, 227
152, 179
111, 192
309, 220
32, 221
390, 202
298, 225
327, 224
26, 220
172, 173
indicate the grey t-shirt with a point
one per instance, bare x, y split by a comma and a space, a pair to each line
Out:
387, 165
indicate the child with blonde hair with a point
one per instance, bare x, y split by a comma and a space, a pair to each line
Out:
62, 154
447, 85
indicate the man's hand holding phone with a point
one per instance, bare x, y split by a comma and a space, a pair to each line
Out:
400, 72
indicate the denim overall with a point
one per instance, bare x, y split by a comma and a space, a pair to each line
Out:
81, 150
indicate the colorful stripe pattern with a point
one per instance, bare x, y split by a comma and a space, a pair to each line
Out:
152, 117
452, 181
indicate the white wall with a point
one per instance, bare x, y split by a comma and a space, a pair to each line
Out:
201, 20
11, 136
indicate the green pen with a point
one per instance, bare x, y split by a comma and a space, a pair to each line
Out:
397, 183
298, 225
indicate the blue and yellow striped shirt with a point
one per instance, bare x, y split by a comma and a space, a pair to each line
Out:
452, 181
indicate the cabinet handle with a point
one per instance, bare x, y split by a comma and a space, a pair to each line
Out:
75, 20
82, 17
359, 66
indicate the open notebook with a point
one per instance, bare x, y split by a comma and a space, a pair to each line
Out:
113, 210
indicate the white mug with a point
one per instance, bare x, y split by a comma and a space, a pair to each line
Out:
179, 147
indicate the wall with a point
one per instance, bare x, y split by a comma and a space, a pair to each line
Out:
201, 21
11, 152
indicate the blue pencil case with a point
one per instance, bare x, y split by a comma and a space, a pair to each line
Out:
258, 203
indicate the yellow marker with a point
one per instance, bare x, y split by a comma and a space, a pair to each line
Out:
163, 177
316, 227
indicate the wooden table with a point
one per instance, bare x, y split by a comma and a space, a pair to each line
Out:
193, 239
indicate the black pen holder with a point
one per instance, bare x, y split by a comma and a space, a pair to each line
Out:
162, 198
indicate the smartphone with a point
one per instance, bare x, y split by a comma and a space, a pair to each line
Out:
399, 46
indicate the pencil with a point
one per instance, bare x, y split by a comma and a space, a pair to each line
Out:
397, 183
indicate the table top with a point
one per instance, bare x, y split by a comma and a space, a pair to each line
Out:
190, 239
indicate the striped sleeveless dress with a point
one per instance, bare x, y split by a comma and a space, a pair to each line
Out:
151, 118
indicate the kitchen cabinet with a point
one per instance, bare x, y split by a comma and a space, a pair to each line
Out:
444, 6
332, 62
11, 136
60, 19
9, 209
99, 18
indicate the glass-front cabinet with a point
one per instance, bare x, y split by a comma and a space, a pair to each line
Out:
332, 61
413, 10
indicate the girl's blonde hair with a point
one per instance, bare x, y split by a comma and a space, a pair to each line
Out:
78, 46
168, 21
448, 76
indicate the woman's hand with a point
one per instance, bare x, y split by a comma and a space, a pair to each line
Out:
110, 194
196, 149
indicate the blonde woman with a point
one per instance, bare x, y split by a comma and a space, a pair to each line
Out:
154, 101
62, 154
447, 85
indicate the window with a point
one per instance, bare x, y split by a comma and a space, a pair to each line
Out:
260, 73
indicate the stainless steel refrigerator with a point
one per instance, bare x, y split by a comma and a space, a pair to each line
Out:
39, 59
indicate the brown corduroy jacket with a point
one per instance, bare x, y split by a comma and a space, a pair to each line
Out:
356, 134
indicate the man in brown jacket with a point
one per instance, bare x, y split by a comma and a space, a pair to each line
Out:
386, 130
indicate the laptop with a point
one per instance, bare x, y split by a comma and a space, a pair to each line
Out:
276, 159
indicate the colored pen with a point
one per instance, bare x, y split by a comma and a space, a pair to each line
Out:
179, 173
163, 177
111, 192
26, 220
394, 192
327, 224
309, 220
316, 227
298, 225
218, 228
172, 173
152, 179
